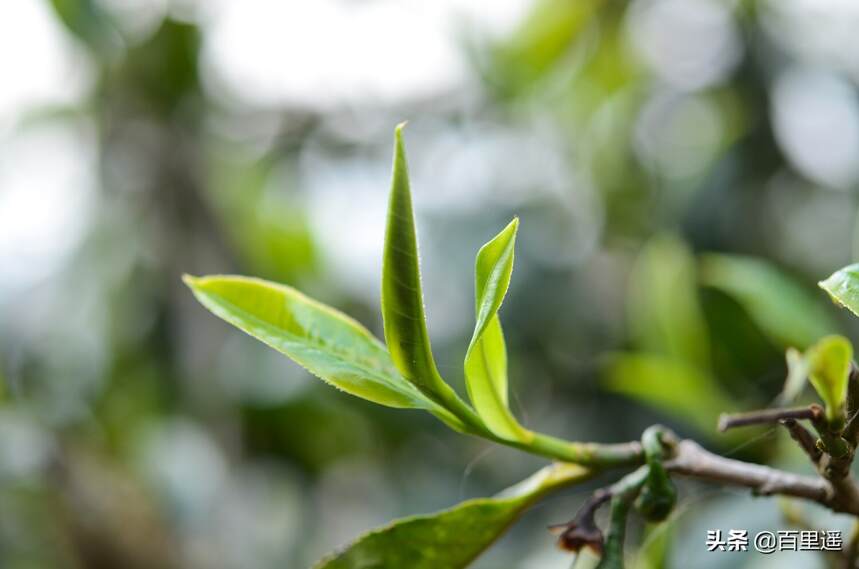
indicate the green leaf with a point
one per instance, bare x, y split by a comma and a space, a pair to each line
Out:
327, 343
451, 539
670, 385
784, 310
89, 22
664, 311
828, 370
843, 287
546, 34
486, 359
402, 301
655, 548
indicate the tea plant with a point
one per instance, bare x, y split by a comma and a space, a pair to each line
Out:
401, 373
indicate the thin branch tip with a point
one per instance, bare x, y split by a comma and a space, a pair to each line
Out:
764, 416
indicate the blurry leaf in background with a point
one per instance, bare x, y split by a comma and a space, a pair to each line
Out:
162, 73
675, 387
843, 287
486, 359
656, 546
828, 369
276, 239
87, 20
268, 226
784, 310
672, 371
327, 343
797, 375
542, 40
663, 307
451, 539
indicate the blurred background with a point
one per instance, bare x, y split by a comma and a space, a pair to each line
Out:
684, 171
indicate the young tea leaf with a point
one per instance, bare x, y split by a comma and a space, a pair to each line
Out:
402, 301
828, 370
486, 359
784, 310
451, 539
843, 287
327, 343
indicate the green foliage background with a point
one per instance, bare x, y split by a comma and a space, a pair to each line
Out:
673, 222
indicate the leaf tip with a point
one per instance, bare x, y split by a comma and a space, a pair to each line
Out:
398, 130
400, 176
190, 280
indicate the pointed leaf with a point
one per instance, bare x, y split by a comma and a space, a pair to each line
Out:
784, 310
402, 300
828, 370
492, 270
843, 287
486, 359
451, 539
327, 343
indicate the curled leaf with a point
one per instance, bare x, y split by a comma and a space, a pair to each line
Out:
486, 359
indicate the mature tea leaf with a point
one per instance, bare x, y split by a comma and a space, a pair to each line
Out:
402, 301
843, 287
784, 310
451, 539
486, 359
327, 343
828, 370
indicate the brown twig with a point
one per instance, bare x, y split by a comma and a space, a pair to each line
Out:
804, 439
691, 459
764, 416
